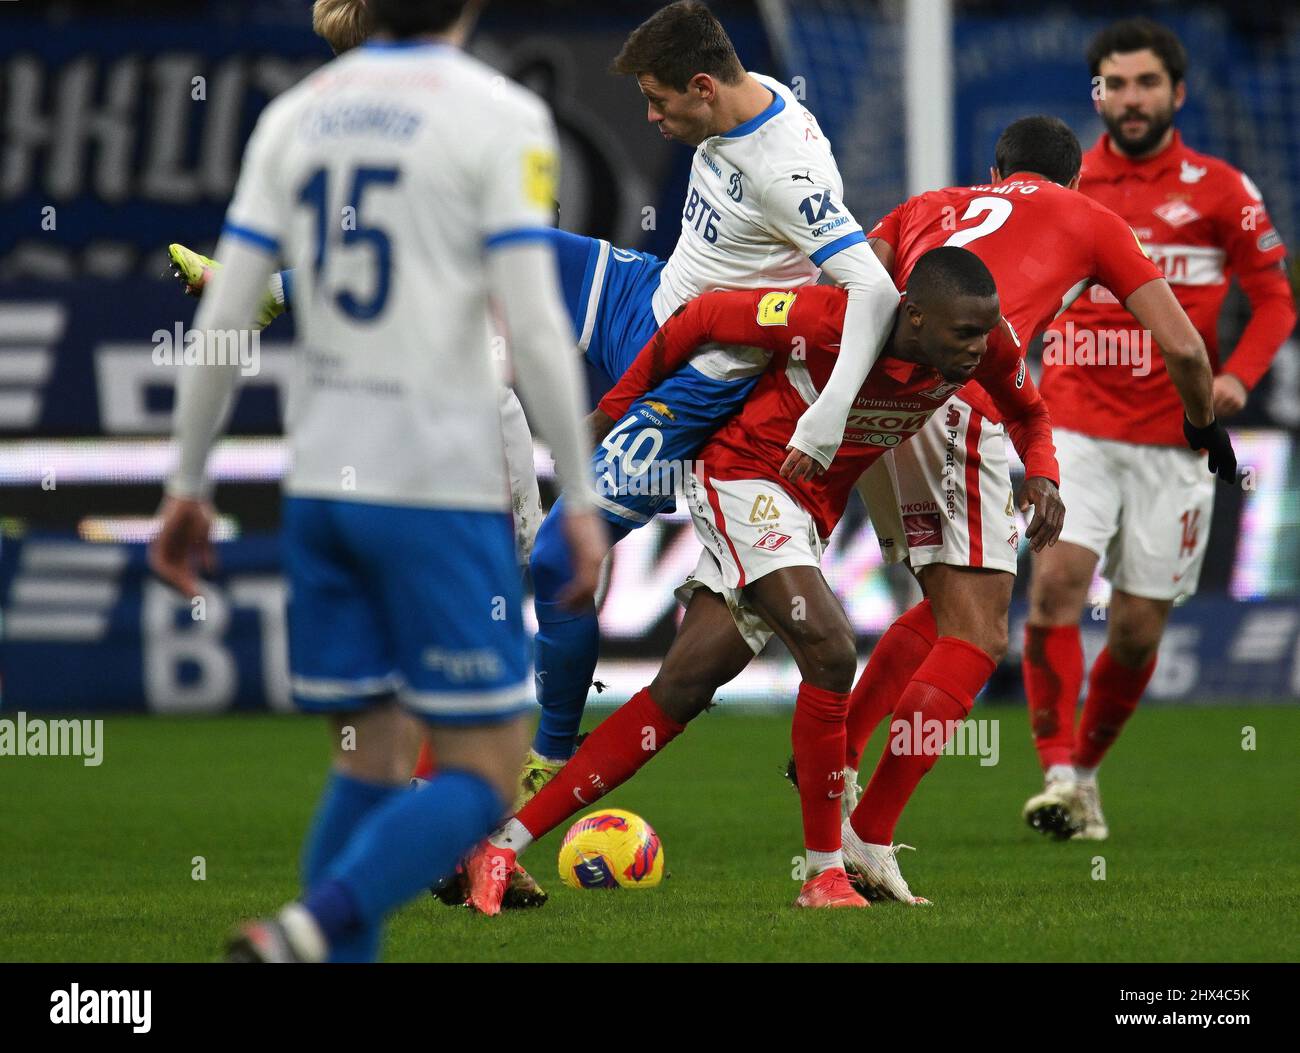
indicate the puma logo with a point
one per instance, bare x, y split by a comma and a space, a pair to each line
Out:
796, 178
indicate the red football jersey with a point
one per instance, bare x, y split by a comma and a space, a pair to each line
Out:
1038, 239
1203, 222
802, 327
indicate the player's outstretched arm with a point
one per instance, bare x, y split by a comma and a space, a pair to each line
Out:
728, 317
203, 399
1156, 308
521, 275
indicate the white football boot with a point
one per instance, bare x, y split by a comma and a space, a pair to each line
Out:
293, 936
852, 794
1088, 807
1056, 811
876, 868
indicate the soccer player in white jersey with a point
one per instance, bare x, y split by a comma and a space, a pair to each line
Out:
764, 208
397, 535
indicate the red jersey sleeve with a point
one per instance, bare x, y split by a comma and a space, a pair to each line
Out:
1254, 256
889, 228
1004, 375
1119, 261
777, 320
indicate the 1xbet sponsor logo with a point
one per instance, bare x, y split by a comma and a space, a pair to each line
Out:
816, 207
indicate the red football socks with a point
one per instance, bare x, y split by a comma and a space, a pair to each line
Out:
1113, 694
623, 742
1053, 672
817, 734
943, 690
892, 664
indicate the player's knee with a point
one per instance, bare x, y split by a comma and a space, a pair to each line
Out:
994, 640
1057, 593
682, 694
549, 562
828, 659
1132, 645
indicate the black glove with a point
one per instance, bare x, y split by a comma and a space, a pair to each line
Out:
1214, 438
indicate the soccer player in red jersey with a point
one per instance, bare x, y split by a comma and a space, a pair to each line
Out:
1137, 497
943, 502
763, 532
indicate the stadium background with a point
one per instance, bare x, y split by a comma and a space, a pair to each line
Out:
111, 149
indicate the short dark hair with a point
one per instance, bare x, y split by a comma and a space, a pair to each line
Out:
1138, 34
1043, 145
948, 272
676, 43
408, 18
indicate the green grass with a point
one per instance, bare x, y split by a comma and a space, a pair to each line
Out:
1203, 862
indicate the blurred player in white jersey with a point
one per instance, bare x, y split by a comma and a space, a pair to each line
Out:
397, 537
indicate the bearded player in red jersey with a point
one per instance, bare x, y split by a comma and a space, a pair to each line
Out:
1137, 497
763, 529
943, 502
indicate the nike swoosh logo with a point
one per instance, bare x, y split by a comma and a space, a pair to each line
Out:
833, 796
579, 796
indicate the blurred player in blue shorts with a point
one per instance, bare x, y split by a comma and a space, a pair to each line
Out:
400, 556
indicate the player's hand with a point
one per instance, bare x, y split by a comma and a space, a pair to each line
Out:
1229, 396
1214, 438
588, 544
798, 465
598, 424
1041, 494
183, 540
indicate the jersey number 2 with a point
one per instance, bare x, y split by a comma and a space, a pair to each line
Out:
352, 231
996, 211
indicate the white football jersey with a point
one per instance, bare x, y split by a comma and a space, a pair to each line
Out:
384, 179
764, 208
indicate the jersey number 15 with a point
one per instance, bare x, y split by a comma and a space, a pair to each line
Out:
352, 231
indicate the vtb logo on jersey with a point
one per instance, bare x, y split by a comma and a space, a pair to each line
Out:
765, 509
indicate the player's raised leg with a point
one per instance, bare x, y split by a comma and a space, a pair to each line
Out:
707, 652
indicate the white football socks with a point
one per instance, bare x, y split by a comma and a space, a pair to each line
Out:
513, 834
819, 861
1060, 773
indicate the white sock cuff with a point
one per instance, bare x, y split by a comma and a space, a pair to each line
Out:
512, 834
304, 933
819, 861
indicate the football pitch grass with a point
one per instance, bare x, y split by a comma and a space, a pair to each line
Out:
1203, 864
